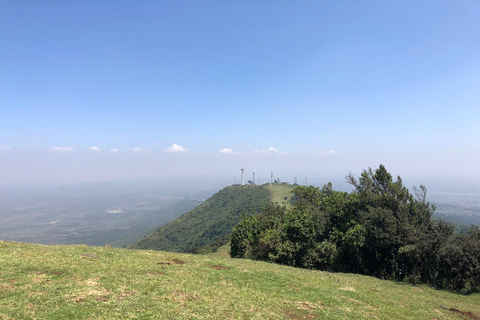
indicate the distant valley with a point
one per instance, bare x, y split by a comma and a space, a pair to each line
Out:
123, 213
97, 214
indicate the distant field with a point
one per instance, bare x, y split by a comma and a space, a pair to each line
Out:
81, 282
115, 213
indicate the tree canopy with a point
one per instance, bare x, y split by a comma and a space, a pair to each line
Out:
380, 229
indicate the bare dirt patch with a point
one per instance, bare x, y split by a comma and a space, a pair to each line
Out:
219, 267
467, 314
176, 261
352, 289
89, 255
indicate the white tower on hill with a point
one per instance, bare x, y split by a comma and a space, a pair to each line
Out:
243, 177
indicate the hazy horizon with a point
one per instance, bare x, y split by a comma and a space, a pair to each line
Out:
106, 91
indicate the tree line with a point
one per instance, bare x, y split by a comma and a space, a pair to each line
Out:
379, 229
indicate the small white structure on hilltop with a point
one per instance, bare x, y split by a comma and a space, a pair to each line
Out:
253, 179
278, 181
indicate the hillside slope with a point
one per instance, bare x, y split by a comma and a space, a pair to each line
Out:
208, 226
81, 282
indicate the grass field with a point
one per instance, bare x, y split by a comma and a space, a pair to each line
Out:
81, 282
279, 192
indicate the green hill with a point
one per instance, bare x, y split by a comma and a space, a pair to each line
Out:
81, 282
208, 226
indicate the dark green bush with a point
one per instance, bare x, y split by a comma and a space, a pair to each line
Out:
379, 229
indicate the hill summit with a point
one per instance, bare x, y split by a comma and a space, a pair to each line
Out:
208, 226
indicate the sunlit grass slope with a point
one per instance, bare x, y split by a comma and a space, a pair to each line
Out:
80, 282
208, 226
280, 194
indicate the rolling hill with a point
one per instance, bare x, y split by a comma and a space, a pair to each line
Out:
208, 226
82, 282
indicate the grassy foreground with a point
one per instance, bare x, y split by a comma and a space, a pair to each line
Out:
81, 282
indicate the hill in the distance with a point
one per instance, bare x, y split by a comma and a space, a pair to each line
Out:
81, 282
208, 226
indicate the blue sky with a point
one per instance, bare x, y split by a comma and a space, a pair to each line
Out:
332, 85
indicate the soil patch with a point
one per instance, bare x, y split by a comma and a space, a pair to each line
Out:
176, 261
466, 314
89, 255
219, 267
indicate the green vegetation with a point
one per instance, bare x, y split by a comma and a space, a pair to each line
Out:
280, 194
209, 225
380, 229
81, 282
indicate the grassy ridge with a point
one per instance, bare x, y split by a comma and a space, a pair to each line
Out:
63, 282
208, 226
280, 194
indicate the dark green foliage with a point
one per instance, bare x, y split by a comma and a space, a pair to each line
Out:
208, 226
379, 229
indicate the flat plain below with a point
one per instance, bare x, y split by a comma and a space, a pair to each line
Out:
82, 282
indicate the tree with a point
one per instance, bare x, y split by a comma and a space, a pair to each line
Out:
379, 229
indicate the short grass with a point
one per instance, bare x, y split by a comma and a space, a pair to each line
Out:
280, 194
81, 282
222, 252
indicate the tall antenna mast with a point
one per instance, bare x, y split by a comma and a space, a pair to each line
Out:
253, 181
243, 177
271, 176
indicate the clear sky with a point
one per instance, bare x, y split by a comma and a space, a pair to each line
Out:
96, 90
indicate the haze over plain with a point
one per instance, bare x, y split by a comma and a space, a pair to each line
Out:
94, 91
